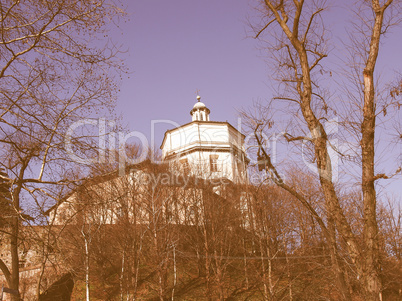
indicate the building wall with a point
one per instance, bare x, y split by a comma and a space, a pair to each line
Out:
31, 258
194, 143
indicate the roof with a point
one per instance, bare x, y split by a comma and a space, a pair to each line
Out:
200, 122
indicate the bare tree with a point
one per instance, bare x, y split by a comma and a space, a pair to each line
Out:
52, 73
299, 45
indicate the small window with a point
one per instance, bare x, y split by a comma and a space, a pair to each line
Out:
239, 167
185, 166
213, 162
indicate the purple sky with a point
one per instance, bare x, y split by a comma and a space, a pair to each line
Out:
179, 46
176, 47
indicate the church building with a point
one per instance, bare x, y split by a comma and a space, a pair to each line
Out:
206, 149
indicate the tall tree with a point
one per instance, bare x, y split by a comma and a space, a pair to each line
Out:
299, 44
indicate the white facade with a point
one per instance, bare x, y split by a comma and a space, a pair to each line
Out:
206, 149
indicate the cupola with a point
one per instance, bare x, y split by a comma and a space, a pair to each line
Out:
200, 112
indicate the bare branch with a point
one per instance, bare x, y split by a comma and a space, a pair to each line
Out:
265, 27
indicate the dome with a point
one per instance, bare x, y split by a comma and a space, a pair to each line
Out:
199, 105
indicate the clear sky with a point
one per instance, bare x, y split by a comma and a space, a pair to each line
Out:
176, 47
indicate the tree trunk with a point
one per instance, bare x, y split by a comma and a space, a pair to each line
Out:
371, 270
87, 297
121, 278
174, 271
15, 261
335, 260
15, 269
